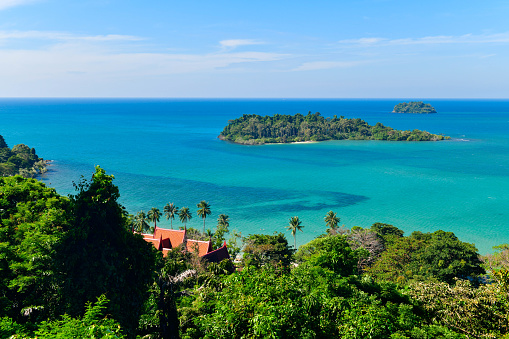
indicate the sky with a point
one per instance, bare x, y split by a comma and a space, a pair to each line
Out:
254, 49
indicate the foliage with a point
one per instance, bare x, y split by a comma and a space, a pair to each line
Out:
414, 107
170, 211
333, 253
255, 129
439, 255
184, 215
99, 255
388, 233
154, 215
203, 211
331, 221
93, 324
262, 249
21, 160
499, 259
33, 219
294, 226
307, 302
479, 312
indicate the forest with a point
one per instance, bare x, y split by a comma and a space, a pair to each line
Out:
252, 129
418, 107
72, 267
21, 160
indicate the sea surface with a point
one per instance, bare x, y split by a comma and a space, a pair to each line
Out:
164, 151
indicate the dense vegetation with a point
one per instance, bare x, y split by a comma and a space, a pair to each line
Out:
254, 129
414, 107
21, 160
73, 268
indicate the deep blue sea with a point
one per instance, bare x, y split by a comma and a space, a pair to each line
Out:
164, 151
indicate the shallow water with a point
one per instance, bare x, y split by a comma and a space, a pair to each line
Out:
164, 151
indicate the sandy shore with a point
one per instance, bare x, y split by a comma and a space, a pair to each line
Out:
288, 143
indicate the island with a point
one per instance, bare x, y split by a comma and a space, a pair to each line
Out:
417, 107
253, 129
21, 160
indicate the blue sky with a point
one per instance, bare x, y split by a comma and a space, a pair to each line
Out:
261, 49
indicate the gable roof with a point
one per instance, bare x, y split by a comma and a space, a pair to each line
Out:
218, 255
203, 247
166, 239
171, 238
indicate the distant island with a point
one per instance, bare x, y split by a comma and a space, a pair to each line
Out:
417, 107
252, 129
21, 160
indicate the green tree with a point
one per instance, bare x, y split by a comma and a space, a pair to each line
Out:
154, 215
333, 253
223, 223
185, 215
33, 220
99, 255
262, 249
3, 144
170, 211
294, 226
331, 221
209, 234
140, 222
203, 211
388, 233
93, 324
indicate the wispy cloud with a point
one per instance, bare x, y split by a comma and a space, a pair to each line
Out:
439, 39
319, 65
4, 4
234, 43
48, 35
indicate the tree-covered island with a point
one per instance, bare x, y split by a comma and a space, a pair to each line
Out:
418, 107
252, 129
21, 160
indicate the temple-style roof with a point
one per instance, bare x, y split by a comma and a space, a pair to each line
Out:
202, 247
218, 255
165, 239
171, 238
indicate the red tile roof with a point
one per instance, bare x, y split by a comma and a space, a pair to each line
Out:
203, 247
171, 238
218, 255
166, 239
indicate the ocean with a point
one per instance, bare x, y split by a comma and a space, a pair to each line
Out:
166, 150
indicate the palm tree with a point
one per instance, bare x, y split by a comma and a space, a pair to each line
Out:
185, 215
223, 221
154, 215
170, 211
331, 221
209, 234
203, 211
295, 224
140, 222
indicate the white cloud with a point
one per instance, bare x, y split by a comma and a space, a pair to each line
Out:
4, 4
362, 41
319, 65
234, 43
48, 35
440, 39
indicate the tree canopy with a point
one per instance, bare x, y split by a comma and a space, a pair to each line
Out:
256, 129
21, 160
414, 107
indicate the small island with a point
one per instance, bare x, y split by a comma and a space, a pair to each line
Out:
252, 129
21, 160
416, 107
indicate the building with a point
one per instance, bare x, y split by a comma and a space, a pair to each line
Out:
165, 240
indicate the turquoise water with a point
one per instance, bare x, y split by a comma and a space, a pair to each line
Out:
164, 151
